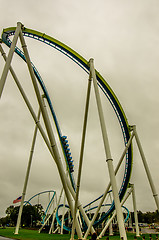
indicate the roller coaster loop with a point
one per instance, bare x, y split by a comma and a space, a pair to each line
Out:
84, 64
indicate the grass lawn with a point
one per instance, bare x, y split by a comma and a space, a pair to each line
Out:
25, 234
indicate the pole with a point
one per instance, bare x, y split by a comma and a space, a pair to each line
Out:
109, 159
110, 225
53, 219
63, 214
81, 154
153, 189
9, 58
49, 130
27, 177
107, 189
135, 211
114, 214
80, 207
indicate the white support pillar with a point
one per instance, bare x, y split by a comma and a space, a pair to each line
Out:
109, 159
114, 214
45, 222
63, 214
110, 225
110, 229
130, 221
49, 131
9, 58
135, 211
27, 177
81, 155
80, 207
153, 189
69, 218
54, 214
47, 216
107, 189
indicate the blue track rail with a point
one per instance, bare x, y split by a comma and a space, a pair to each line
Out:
40, 193
84, 64
90, 209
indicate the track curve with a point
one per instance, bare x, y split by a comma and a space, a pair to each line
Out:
49, 204
84, 225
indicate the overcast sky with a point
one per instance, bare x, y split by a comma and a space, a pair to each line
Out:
123, 38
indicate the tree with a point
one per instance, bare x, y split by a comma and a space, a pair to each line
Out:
39, 209
4, 221
30, 215
13, 215
9, 210
141, 218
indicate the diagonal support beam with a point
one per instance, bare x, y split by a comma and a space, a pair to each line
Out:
147, 170
81, 154
135, 210
27, 177
109, 159
49, 130
9, 58
108, 187
114, 214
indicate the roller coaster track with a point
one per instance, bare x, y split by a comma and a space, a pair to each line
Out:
84, 64
38, 194
84, 227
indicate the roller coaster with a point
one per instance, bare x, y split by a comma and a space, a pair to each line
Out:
53, 201
71, 188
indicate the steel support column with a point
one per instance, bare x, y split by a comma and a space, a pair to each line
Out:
53, 144
109, 159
